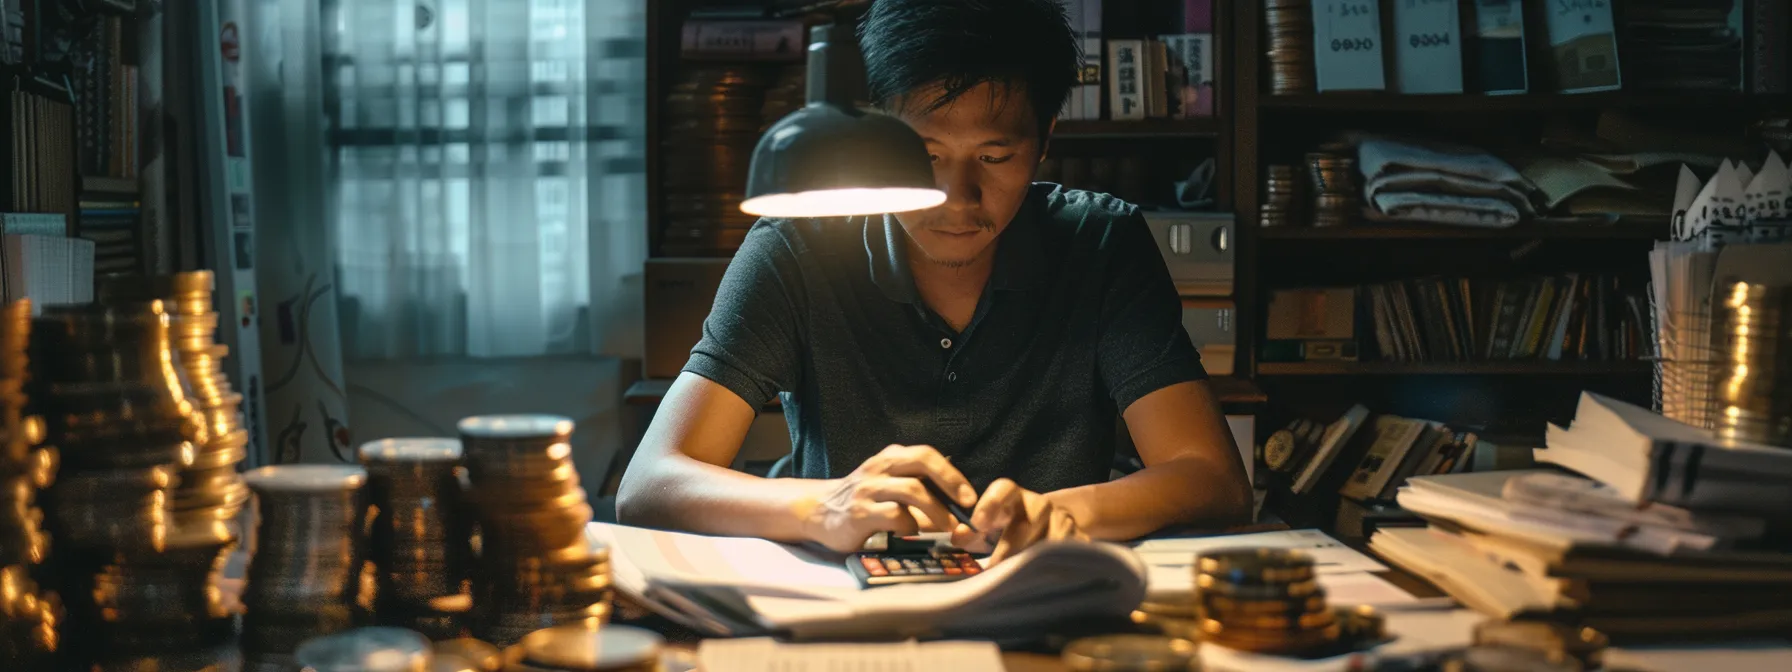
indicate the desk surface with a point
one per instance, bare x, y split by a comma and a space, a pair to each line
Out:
1232, 392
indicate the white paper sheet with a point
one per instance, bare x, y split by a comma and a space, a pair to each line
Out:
1330, 556
1760, 656
766, 655
1418, 635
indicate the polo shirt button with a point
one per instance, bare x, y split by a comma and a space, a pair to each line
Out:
946, 343
951, 376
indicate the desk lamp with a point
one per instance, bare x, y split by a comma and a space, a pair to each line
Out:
832, 159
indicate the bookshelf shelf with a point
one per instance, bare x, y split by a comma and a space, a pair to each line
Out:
1145, 128
1545, 102
1493, 368
1652, 229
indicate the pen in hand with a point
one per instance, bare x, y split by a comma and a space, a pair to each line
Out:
951, 504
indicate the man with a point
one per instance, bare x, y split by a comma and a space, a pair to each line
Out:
986, 344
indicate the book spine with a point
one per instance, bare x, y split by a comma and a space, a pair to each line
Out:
1771, 51
1126, 84
1092, 74
1073, 103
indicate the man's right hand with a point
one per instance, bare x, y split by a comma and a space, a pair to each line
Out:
876, 497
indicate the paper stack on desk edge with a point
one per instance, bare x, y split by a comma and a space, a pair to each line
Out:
741, 587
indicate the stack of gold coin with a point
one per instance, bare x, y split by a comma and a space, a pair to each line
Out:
1337, 196
586, 648
118, 408
211, 492
1179, 618
1262, 600
535, 568
1279, 197
713, 120
304, 576
1755, 397
420, 539
467, 655
371, 649
1112, 653
1556, 640
1288, 26
29, 615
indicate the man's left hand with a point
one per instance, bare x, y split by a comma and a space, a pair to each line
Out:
1012, 518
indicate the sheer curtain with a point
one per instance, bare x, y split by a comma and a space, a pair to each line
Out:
485, 174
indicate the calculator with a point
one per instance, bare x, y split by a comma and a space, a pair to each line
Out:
935, 565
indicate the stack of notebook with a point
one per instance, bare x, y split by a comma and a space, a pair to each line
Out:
1665, 531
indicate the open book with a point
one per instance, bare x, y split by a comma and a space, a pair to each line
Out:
730, 586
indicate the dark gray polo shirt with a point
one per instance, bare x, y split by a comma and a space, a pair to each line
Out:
1079, 320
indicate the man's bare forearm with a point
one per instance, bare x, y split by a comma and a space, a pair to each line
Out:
682, 493
1185, 492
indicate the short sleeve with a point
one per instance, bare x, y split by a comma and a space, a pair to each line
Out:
1144, 347
752, 339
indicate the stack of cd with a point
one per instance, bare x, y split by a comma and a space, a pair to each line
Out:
1755, 396
304, 575
1288, 26
211, 492
420, 540
1337, 198
1262, 600
586, 648
535, 568
375, 649
1278, 197
117, 406
713, 122
29, 616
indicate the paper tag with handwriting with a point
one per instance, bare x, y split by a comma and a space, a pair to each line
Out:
1347, 45
1427, 46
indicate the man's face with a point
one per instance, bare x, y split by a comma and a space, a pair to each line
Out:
985, 146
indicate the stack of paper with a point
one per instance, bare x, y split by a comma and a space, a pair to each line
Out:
1656, 543
744, 587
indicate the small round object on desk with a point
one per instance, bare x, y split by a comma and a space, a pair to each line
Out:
1361, 623
374, 649
586, 647
1130, 653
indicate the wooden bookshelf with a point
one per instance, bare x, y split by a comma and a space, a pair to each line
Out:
109, 186
1655, 229
1531, 102
1490, 368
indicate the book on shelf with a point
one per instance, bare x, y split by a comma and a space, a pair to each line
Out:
1084, 102
743, 40
1583, 43
1501, 65
1427, 47
1570, 316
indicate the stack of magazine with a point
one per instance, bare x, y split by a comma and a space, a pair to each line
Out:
1664, 532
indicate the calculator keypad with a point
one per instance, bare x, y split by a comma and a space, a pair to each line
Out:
940, 566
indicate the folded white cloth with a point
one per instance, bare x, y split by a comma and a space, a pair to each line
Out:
1408, 206
1433, 182
1379, 156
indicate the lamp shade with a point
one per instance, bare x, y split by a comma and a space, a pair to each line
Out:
829, 160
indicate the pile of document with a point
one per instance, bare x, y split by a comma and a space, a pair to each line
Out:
1735, 227
1665, 532
1441, 184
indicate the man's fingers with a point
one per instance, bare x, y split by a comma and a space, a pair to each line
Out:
1062, 526
999, 506
889, 517
906, 491
926, 462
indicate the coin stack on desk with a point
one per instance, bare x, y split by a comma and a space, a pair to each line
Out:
29, 615
116, 403
1279, 198
1337, 198
211, 493
420, 539
1262, 600
586, 648
304, 575
535, 568
1288, 26
713, 124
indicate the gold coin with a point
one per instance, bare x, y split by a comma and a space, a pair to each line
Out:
1256, 565
1129, 652
1207, 583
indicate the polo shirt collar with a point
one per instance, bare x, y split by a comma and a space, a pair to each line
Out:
1018, 265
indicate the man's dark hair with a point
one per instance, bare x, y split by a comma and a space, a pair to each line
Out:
1024, 46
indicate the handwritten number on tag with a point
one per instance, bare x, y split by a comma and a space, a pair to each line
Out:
1428, 40
1353, 44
